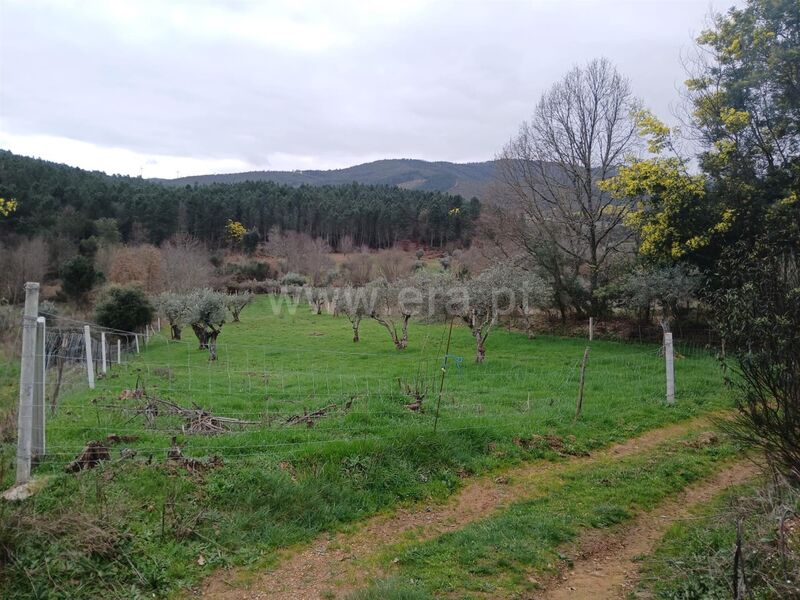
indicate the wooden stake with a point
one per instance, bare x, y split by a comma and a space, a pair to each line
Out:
579, 404
444, 372
591, 328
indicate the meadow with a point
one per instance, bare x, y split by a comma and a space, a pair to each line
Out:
144, 525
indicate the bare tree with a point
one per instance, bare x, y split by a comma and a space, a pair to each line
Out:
300, 253
393, 264
346, 244
359, 267
186, 263
138, 264
580, 132
25, 261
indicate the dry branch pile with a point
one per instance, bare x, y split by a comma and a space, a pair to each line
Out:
91, 456
309, 418
196, 419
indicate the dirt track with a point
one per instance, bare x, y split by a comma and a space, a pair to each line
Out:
605, 566
336, 564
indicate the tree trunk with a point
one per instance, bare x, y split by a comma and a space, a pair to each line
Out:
212, 344
235, 314
404, 338
480, 348
356, 323
202, 335
176, 331
398, 342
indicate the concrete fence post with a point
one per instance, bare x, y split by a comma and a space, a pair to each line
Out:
37, 428
87, 342
136, 339
119, 351
27, 375
591, 328
669, 359
103, 359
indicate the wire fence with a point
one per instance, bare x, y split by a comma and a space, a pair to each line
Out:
154, 395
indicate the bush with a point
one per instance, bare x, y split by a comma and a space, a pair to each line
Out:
88, 246
267, 286
293, 279
250, 241
124, 308
252, 270
141, 265
78, 277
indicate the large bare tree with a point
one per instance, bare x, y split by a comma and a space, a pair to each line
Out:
580, 132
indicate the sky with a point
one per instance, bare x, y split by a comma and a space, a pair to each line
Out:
161, 88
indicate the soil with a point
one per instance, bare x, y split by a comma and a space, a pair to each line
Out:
605, 565
336, 564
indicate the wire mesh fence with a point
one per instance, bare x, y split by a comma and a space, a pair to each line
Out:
271, 400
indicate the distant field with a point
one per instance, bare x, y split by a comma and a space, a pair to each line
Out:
272, 367
282, 483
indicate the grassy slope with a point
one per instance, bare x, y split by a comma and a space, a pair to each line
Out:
155, 527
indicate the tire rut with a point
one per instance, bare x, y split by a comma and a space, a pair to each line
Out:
606, 565
333, 565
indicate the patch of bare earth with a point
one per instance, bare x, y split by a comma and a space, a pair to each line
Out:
334, 565
605, 564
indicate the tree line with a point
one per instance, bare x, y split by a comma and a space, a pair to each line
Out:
68, 202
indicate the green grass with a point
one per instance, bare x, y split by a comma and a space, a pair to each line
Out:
511, 550
694, 560
283, 484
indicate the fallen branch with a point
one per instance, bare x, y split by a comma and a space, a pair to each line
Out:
91, 456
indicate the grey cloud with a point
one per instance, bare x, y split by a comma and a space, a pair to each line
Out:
449, 80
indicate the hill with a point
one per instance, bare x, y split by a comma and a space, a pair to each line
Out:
464, 179
62, 202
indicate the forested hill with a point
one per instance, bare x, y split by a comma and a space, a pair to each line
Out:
465, 179
57, 200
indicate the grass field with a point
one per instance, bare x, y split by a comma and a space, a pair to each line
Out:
143, 526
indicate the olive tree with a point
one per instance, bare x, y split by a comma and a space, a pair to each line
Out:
355, 304
206, 315
658, 288
175, 308
533, 293
236, 303
317, 297
478, 302
392, 307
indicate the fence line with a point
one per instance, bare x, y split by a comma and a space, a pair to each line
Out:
269, 392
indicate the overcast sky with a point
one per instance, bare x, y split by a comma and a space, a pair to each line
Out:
161, 88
